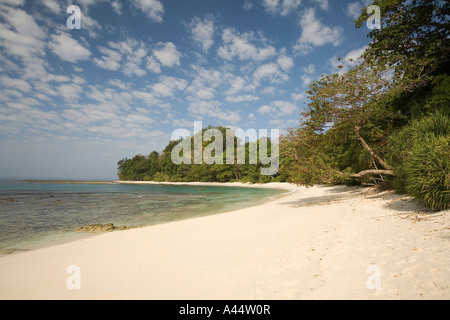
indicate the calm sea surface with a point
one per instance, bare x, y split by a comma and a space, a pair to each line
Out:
34, 215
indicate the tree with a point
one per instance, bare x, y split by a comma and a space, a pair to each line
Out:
414, 38
214, 167
348, 103
402, 61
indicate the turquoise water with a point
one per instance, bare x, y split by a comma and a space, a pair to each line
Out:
34, 215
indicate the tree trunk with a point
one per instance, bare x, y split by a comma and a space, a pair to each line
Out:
372, 153
367, 172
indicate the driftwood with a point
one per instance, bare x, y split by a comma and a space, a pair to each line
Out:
367, 172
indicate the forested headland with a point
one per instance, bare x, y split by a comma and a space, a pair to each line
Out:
386, 121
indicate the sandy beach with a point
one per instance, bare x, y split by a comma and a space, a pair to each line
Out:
331, 242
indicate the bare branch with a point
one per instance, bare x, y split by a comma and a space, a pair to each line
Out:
373, 172
368, 148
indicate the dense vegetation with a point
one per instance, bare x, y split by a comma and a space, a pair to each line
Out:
161, 167
385, 121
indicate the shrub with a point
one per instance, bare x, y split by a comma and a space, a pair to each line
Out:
420, 154
427, 172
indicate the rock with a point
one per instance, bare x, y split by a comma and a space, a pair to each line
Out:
96, 228
126, 228
102, 228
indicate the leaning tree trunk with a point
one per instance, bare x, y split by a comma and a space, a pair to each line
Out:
388, 171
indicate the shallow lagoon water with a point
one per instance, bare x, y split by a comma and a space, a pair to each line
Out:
34, 215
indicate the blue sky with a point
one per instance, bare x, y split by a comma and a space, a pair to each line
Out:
74, 102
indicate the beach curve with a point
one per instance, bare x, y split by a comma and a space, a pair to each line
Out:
325, 242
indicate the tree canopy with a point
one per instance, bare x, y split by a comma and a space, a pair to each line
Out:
357, 120
213, 167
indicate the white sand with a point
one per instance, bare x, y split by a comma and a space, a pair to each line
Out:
279, 250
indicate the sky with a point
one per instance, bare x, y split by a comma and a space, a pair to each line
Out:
75, 101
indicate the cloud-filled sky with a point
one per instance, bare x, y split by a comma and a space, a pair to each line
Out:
73, 102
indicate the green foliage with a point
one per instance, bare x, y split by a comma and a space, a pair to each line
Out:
161, 168
386, 119
414, 38
420, 155
428, 172
306, 158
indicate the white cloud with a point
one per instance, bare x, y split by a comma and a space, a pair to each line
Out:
110, 60
90, 25
285, 107
346, 63
128, 56
135, 118
119, 84
85, 4
168, 86
19, 84
205, 81
67, 48
70, 92
355, 54
149, 99
52, 5
271, 5
286, 63
288, 6
248, 5
323, 4
307, 74
153, 65
236, 45
271, 72
212, 109
202, 32
279, 107
167, 54
306, 80
298, 96
15, 2
21, 36
315, 33
354, 9
152, 8
266, 109
243, 98
117, 6
236, 85
309, 69
204, 93
269, 90
281, 7
133, 52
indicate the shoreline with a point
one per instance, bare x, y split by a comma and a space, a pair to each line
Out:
53, 238
272, 185
310, 243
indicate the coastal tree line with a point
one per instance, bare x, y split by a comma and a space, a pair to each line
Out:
161, 167
385, 120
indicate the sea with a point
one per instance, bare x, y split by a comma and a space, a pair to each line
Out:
40, 214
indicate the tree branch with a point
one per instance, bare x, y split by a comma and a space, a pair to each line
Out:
368, 148
367, 172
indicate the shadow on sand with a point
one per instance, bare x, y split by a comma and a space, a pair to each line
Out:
332, 194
